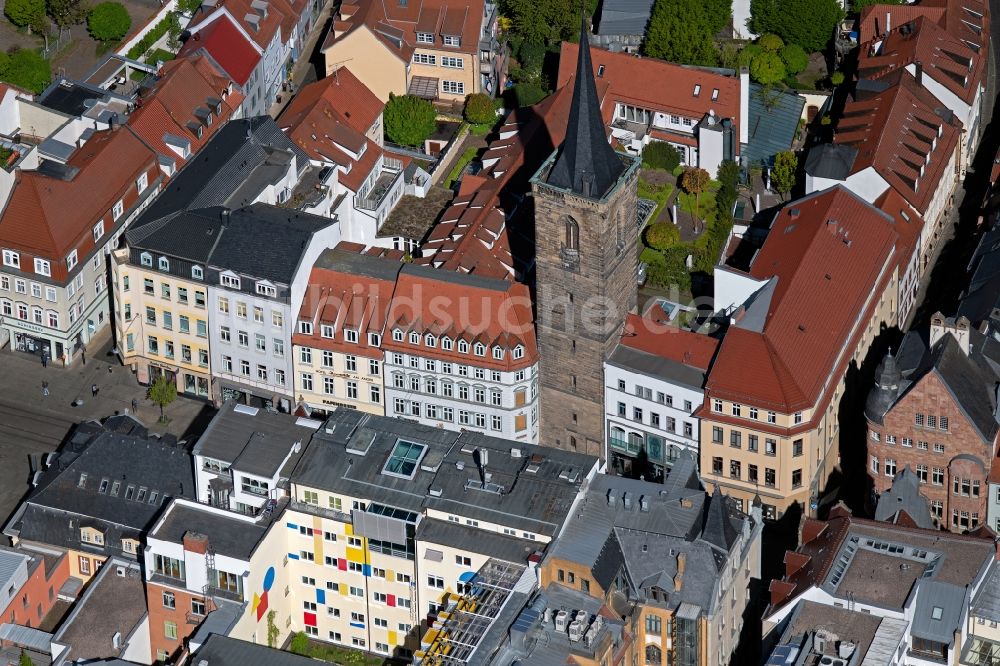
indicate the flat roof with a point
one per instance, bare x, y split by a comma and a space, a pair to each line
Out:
880, 579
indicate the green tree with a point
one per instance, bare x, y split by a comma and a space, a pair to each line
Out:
808, 23
747, 54
795, 58
174, 32
189, 6
162, 392
695, 181
859, 6
108, 21
524, 94
299, 644
680, 31
542, 21
26, 68
767, 69
660, 155
409, 120
662, 235
65, 13
771, 43
25, 659
24, 13
479, 109
837, 78
784, 171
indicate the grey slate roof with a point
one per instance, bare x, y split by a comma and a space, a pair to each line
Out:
904, 497
774, 119
234, 538
462, 537
355, 263
260, 240
653, 365
624, 17
68, 495
982, 297
948, 601
112, 604
987, 601
348, 454
10, 563
968, 383
240, 152
831, 160
586, 164
224, 651
254, 443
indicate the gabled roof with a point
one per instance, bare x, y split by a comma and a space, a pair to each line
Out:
654, 84
949, 60
228, 46
585, 164
831, 253
904, 499
260, 20
167, 110
328, 120
905, 134
49, 212
224, 172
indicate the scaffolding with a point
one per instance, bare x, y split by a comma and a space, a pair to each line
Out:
456, 633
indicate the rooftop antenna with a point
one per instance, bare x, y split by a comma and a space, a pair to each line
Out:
336, 69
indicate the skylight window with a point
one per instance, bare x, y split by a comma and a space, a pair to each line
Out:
104, 486
83, 481
937, 612
404, 459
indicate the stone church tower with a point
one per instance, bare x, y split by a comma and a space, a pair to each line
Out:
585, 260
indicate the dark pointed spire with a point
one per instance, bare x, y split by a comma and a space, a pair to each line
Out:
586, 163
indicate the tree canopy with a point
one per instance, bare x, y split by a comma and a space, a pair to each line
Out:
682, 31
24, 12
162, 392
795, 58
767, 69
859, 5
783, 174
808, 23
108, 21
662, 235
26, 69
409, 120
65, 12
479, 109
542, 21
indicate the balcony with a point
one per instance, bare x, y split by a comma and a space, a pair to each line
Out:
384, 185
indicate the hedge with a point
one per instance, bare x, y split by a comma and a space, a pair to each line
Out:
139, 48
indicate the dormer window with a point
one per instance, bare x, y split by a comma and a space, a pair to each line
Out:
374, 339
425, 38
71, 260
265, 289
305, 327
350, 335
447, 344
197, 272
463, 347
229, 280
479, 349
397, 335
498, 353
326, 331
163, 264
518, 352
452, 40
430, 340
414, 338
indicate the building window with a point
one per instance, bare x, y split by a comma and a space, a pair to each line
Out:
11, 258
797, 478
170, 630
717, 465
769, 477
169, 600
452, 40
425, 38
453, 87
716, 434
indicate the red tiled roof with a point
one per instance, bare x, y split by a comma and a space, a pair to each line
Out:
184, 85
647, 334
940, 53
899, 133
830, 259
227, 45
493, 312
655, 85
329, 118
344, 299
908, 224
238, 10
397, 24
873, 21
48, 217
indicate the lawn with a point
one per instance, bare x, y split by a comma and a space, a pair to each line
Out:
703, 207
658, 193
460, 164
158, 55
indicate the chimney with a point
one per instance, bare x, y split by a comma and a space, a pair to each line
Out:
918, 72
224, 215
195, 542
679, 578
744, 119
888, 21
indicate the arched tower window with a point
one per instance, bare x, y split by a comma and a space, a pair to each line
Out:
572, 240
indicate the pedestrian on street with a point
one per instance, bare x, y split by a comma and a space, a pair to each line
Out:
45, 360
45, 388
135, 405
94, 390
